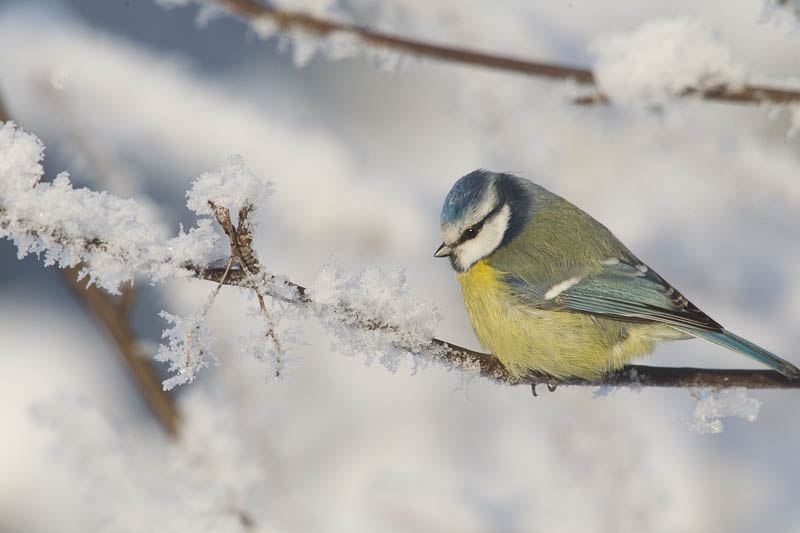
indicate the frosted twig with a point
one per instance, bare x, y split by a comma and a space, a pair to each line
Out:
115, 241
189, 340
241, 239
290, 20
490, 367
112, 313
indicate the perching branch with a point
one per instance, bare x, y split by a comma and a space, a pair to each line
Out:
291, 20
242, 269
490, 367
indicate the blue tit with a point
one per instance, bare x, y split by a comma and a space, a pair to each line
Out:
551, 291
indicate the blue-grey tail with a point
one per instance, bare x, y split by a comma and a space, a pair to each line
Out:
738, 344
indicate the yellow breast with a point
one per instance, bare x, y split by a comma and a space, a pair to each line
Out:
556, 343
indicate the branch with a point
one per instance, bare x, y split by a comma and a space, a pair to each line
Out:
101, 251
455, 356
113, 316
291, 20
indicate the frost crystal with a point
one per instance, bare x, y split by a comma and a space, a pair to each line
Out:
713, 405
333, 45
372, 312
233, 187
188, 349
304, 48
207, 13
113, 238
268, 344
20, 167
662, 60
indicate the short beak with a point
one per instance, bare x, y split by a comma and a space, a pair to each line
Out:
443, 251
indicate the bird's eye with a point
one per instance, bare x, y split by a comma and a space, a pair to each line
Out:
470, 232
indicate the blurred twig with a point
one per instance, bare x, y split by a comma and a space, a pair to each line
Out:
112, 313
292, 20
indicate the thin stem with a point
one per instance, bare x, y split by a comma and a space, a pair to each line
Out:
290, 20
113, 316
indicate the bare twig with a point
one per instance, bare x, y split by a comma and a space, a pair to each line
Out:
113, 315
241, 240
240, 237
291, 20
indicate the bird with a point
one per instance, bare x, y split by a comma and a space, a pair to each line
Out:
550, 291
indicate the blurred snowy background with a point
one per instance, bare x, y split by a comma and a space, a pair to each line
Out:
138, 100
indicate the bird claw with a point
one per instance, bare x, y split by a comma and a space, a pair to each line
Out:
551, 386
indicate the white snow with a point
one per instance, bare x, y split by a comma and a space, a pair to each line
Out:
115, 239
660, 60
20, 165
362, 162
188, 348
206, 481
397, 322
233, 187
713, 405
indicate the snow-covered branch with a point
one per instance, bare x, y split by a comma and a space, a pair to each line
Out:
371, 312
452, 355
112, 238
350, 39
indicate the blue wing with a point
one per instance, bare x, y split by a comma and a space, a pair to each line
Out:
631, 291
619, 290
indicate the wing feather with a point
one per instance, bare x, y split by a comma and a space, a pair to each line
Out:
622, 291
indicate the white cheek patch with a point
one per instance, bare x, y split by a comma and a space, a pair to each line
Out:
488, 239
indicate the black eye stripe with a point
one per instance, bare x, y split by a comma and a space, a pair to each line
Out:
472, 231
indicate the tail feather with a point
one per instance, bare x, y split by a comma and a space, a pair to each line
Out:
738, 344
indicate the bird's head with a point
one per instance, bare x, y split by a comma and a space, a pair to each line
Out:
482, 212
